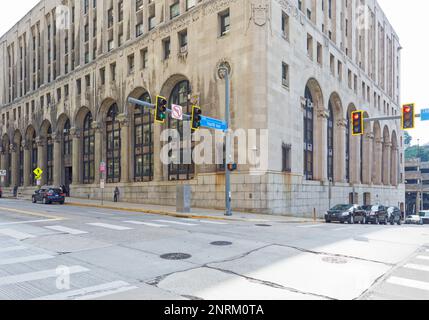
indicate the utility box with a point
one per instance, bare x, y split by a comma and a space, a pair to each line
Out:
183, 199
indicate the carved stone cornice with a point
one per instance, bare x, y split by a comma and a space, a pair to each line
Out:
40, 142
342, 123
97, 127
75, 133
13, 148
322, 113
124, 120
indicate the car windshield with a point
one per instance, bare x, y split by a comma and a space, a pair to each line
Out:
375, 208
342, 207
424, 214
366, 207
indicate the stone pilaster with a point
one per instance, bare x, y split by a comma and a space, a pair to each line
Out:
98, 149
367, 158
27, 165
76, 156
14, 165
125, 148
58, 163
320, 145
386, 163
377, 162
42, 159
339, 151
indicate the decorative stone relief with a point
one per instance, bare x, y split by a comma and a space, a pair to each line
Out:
260, 11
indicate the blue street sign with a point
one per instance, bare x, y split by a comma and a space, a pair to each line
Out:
424, 115
213, 123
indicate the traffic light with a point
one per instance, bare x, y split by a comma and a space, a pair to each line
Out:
160, 109
232, 167
408, 116
196, 118
357, 123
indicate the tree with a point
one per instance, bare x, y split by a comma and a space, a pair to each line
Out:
407, 138
414, 152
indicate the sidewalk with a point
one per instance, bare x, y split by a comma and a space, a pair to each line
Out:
196, 213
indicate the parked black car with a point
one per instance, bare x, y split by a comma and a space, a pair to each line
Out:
48, 195
394, 216
376, 214
346, 213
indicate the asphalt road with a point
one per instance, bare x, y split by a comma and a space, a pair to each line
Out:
66, 252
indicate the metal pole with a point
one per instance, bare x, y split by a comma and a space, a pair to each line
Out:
223, 70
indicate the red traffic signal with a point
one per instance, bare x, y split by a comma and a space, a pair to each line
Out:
357, 123
408, 116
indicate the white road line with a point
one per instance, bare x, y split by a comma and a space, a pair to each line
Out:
39, 257
109, 226
27, 222
15, 234
341, 229
66, 230
178, 223
311, 226
417, 267
11, 249
422, 258
213, 222
39, 275
409, 283
139, 223
91, 292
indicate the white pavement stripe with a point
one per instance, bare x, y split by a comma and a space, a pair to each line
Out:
311, 226
422, 258
213, 222
341, 229
11, 249
178, 223
109, 226
15, 234
107, 293
39, 275
39, 257
94, 292
409, 283
146, 224
417, 267
27, 222
66, 230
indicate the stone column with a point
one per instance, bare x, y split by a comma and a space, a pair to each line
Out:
3, 167
125, 148
386, 163
418, 205
42, 158
27, 165
320, 145
98, 150
339, 151
76, 156
377, 161
15, 165
394, 166
367, 158
158, 176
58, 157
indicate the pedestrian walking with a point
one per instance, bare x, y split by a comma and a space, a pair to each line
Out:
15, 192
116, 195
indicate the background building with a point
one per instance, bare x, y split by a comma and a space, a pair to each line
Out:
417, 186
298, 68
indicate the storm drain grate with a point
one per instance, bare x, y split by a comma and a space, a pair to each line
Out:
334, 260
264, 225
221, 243
176, 256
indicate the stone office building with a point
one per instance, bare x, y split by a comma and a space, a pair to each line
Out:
417, 186
298, 68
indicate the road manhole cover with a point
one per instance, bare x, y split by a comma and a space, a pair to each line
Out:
263, 225
334, 260
221, 243
176, 256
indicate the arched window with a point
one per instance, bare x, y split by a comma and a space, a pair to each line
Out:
330, 143
308, 135
88, 143
348, 147
34, 158
113, 134
179, 96
143, 142
50, 157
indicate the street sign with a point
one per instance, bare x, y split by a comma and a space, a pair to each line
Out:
102, 184
102, 167
424, 115
213, 123
38, 173
3, 173
177, 112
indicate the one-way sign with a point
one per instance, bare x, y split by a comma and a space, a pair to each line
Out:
424, 115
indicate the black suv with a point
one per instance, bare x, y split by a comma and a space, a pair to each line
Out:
48, 195
346, 213
394, 216
376, 214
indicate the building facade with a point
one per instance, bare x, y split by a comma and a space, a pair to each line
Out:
417, 186
298, 69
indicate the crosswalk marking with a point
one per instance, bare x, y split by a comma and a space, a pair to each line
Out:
109, 226
146, 224
409, 283
11, 249
15, 234
39, 257
39, 275
417, 267
66, 230
213, 222
311, 226
91, 292
178, 223
422, 258
28, 222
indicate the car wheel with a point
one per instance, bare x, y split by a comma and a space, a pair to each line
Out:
327, 221
62, 202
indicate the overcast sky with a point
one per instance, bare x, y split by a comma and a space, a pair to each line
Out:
409, 18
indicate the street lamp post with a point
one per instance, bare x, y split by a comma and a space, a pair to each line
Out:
224, 73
